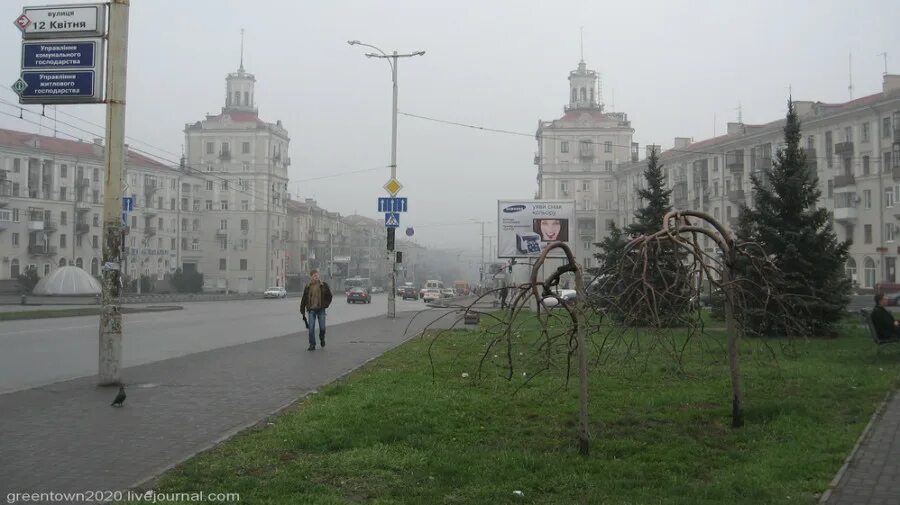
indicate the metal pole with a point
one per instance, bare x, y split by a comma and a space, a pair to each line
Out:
110, 348
392, 255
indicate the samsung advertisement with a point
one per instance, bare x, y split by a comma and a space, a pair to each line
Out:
525, 228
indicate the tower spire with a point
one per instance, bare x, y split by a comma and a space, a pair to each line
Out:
582, 43
241, 69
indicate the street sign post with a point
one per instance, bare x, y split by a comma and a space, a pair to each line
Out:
62, 54
392, 220
394, 204
393, 186
50, 21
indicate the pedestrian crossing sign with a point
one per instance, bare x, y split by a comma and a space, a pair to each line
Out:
391, 219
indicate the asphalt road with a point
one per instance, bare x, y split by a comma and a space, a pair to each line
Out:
43, 351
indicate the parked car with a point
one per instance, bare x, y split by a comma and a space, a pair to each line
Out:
275, 292
447, 293
409, 293
431, 295
358, 295
567, 296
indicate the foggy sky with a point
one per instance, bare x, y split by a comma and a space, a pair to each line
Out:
672, 66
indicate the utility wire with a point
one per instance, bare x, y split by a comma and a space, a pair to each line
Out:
591, 142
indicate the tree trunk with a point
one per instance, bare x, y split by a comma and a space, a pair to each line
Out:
737, 400
584, 435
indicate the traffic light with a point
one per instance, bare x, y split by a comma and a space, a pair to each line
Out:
390, 239
399, 256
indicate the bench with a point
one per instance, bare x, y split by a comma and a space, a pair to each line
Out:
867, 320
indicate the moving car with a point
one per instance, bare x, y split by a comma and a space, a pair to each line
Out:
275, 292
358, 295
409, 293
377, 289
447, 293
431, 295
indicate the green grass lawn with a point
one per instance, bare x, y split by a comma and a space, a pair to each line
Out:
397, 433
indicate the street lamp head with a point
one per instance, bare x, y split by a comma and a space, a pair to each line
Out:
353, 42
420, 53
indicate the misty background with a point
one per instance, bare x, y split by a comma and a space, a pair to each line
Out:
677, 68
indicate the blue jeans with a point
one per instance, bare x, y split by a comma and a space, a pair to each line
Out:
313, 315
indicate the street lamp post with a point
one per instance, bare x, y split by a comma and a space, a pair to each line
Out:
392, 60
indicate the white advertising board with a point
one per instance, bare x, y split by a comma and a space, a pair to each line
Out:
526, 227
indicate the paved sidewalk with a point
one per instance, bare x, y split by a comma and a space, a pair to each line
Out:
872, 476
66, 437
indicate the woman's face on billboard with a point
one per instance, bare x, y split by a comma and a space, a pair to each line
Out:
550, 229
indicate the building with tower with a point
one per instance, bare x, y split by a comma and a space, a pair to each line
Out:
244, 161
577, 155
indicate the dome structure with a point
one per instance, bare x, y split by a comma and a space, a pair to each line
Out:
67, 281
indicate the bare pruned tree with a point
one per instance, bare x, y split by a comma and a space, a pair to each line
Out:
740, 271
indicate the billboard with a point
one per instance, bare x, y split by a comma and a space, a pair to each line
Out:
525, 228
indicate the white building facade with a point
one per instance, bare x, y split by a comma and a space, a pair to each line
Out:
577, 159
853, 147
243, 217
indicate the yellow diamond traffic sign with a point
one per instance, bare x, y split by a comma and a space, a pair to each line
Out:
393, 186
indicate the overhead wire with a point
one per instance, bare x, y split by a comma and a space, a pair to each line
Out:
587, 141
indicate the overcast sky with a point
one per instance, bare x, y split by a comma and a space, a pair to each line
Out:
672, 66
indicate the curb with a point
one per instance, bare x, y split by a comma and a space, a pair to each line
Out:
864, 436
151, 482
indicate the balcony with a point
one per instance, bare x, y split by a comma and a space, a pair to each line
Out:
221, 233
149, 231
843, 181
82, 228
82, 183
845, 214
736, 196
844, 149
5, 193
82, 206
41, 250
225, 155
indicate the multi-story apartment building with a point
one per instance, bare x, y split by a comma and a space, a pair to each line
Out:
51, 207
853, 147
243, 215
368, 248
578, 155
317, 239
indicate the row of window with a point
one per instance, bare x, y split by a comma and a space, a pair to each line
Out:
15, 267
226, 148
63, 241
223, 264
585, 146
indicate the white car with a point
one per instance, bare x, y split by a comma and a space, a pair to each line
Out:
447, 293
431, 295
567, 296
275, 292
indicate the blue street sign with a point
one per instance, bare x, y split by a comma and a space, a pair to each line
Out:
391, 220
127, 203
58, 85
63, 54
392, 204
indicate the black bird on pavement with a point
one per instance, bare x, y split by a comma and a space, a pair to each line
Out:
120, 398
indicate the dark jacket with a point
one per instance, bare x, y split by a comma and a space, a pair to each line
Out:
883, 322
326, 297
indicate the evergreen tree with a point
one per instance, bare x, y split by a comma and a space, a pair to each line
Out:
666, 261
798, 235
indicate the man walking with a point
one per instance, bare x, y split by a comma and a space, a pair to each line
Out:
316, 298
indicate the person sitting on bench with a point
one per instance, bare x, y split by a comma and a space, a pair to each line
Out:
885, 325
